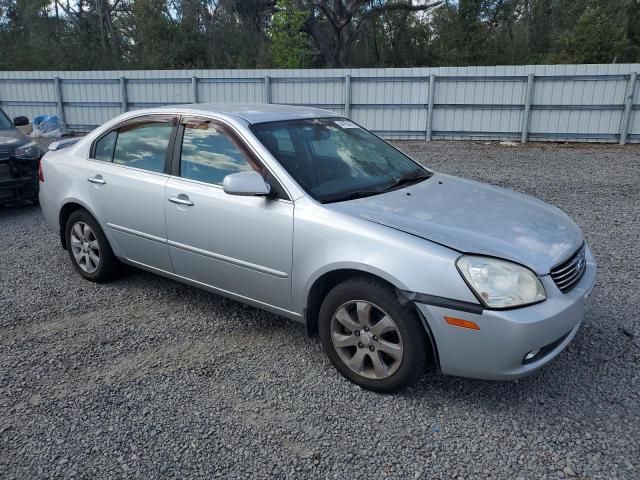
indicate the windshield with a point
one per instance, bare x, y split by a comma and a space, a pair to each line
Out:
334, 159
4, 120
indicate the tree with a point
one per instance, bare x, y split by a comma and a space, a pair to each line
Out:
631, 52
153, 35
596, 38
467, 31
114, 34
291, 47
336, 25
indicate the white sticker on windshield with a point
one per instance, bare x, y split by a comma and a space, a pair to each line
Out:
345, 124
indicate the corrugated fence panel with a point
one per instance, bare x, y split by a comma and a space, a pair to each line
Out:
156, 92
310, 91
379, 91
567, 102
84, 117
585, 123
391, 122
231, 92
500, 92
458, 122
85, 102
22, 91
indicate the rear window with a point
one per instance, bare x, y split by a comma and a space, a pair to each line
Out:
141, 144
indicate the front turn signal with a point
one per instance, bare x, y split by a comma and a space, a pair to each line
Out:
458, 322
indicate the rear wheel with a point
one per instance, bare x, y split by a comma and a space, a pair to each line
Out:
370, 338
89, 249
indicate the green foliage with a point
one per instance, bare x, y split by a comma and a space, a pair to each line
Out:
290, 46
595, 38
114, 34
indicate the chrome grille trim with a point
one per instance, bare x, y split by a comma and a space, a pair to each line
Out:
568, 274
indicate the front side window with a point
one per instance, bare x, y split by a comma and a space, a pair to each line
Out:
209, 154
143, 145
334, 159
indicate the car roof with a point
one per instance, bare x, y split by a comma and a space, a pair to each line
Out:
256, 112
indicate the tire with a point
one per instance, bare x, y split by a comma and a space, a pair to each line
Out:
384, 356
89, 250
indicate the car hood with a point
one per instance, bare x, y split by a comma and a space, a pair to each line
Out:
473, 217
11, 138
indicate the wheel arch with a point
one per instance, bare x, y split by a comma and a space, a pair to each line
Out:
68, 207
329, 279
324, 281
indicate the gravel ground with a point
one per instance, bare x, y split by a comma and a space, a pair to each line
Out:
145, 377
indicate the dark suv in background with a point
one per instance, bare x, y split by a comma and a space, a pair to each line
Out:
19, 156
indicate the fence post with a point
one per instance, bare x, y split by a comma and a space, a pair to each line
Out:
432, 91
124, 103
267, 89
526, 115
628, 107
58, 90
194, 89
347, 96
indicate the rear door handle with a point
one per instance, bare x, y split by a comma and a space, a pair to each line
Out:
97, 179
181, 200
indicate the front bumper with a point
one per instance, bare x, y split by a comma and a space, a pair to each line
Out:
18, 180
497, 350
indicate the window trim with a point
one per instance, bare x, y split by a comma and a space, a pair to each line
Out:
171, 118
228, 130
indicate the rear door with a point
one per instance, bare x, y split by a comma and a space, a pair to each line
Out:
127, 176
241, 245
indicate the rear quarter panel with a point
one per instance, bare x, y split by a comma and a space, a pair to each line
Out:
65, 181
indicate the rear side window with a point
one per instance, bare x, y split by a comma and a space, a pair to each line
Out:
209, 154
105, 146
143, 145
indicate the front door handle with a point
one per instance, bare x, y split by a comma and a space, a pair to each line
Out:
181, 200
97, 179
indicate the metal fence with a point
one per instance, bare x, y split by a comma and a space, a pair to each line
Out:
538, 102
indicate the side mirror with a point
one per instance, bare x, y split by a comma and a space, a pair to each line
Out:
20, 121
246, 184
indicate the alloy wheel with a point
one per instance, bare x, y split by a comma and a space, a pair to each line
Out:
85, 247
367, 340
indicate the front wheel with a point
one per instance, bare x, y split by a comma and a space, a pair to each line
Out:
370, 337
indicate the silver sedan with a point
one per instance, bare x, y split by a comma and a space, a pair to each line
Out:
310, 216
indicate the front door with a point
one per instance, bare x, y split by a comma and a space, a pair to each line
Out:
240, 245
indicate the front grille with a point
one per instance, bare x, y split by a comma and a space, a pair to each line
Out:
568, 274
5, 154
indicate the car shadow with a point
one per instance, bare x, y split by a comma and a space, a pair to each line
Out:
554, 385
12, 208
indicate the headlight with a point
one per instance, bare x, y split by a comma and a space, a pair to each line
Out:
30, 151
501, 284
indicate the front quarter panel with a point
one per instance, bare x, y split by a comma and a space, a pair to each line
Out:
326, 240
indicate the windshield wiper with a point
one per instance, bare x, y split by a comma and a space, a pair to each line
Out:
407, 180
397, 183
353, 195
